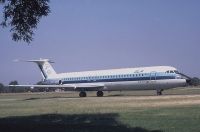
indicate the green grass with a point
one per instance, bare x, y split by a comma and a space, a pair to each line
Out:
178, 119
117, 111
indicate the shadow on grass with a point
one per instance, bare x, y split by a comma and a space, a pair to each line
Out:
54, 97
58, 97
133, 95
67, 123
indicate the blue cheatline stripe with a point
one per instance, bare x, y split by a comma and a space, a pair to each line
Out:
120, 79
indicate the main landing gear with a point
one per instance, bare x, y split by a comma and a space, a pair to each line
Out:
159, 91
82, 94
99, 94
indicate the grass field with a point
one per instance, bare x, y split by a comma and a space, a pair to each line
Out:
178, 110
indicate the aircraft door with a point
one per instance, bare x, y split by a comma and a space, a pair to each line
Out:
153, 76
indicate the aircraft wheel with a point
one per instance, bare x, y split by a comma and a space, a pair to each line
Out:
82, 94
159, 92
99, 94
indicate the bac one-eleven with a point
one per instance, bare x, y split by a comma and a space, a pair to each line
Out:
157, 78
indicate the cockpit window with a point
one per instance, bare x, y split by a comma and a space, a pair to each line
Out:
172, 71
176, 71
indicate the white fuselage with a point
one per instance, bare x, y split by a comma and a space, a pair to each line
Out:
143, 78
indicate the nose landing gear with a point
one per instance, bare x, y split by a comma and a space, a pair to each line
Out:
82, 94
159, 91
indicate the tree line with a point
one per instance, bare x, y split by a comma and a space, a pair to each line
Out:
195, 81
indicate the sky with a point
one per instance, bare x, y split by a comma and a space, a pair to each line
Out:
81, 35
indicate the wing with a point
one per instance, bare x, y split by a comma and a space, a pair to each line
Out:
78, 87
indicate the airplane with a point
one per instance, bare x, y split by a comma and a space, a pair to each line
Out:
157, 78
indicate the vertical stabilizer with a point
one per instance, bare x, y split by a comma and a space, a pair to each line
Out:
47, 70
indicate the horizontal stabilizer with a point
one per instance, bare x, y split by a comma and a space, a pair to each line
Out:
38, 60
44, 65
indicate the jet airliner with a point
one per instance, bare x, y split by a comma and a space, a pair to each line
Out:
157, 78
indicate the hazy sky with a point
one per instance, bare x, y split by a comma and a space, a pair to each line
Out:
102, 34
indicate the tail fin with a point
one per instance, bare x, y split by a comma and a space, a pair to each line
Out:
47, 70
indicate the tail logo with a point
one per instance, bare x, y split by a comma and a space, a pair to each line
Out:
47, 68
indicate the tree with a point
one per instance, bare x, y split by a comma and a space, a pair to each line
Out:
13, 89
1, 88
13, 83
23, 16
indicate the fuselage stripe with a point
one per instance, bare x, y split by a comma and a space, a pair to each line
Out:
119, 79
